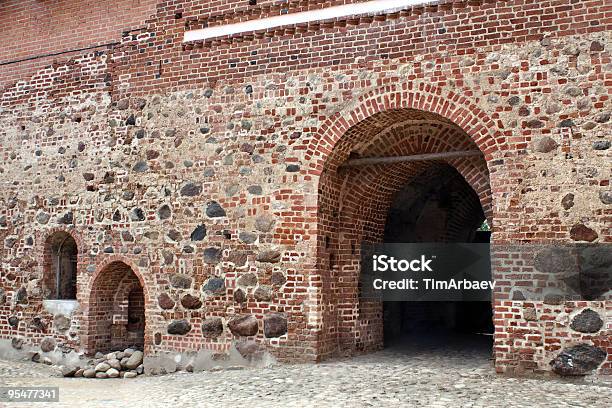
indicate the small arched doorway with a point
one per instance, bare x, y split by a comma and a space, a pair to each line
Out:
60, 267
116, 315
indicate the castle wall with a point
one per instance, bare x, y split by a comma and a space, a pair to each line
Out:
202, 165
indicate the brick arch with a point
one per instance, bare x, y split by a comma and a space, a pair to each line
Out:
125, 260
109, 289
122, 310
358, 326
353, 202
455, 108
467, 212
474, 170
42, 236
120, 300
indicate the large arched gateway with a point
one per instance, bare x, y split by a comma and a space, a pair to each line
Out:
398, 175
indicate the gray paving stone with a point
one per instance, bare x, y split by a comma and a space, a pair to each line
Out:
390, 378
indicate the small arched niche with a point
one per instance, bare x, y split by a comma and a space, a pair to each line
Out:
116, 314
60, 268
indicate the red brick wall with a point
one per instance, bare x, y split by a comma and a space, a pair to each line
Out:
279, 112
455, 29
34, 28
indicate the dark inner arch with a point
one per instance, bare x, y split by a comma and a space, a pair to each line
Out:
436, 206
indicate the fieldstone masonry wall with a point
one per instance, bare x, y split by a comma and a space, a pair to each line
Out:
203, 167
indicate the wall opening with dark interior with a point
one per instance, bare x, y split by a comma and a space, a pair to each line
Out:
433, 200
60, 267
437, 205
116, 318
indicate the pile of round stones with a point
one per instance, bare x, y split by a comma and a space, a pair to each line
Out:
118, 364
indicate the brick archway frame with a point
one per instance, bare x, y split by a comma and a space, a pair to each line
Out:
88, 332
123, 259
323, 157
460, 110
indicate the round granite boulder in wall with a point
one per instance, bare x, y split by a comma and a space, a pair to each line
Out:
164, 212
238, 258
38, 323
212, 255
578, 360
47, 344
250, 350
191, 189
199, 233
264, 223
587, 321
191, 302
581, 232
530, 314
278, 279
212, 327
13, 321
214, 286
247, 237
275, 325
165, 301
239, 296
270, 256
21, 296
243, 326
42, 217
544, 144
247, 279
179, 327
214, 210
555, 260
567, 201
263, 293
180, 281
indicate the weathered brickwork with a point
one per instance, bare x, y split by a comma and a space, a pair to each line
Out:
35, 33
208, 174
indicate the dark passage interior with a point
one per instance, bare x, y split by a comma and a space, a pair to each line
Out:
437, 206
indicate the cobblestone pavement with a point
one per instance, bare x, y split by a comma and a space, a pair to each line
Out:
406, 377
